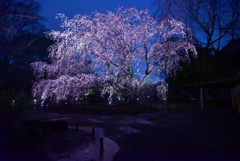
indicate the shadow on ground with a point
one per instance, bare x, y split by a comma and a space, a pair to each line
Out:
177, 134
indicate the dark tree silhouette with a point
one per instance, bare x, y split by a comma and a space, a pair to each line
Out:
22, 41
215, 20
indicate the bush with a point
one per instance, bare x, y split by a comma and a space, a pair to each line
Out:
24, 138
59, 125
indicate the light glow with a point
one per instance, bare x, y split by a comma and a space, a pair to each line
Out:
116, 51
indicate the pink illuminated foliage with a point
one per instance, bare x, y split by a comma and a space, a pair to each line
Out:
114, 52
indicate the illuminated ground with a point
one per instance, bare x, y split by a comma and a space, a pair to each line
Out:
179, 134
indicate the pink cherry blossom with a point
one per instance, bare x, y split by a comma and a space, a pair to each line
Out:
110, 51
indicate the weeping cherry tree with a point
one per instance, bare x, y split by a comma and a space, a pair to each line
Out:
114, 52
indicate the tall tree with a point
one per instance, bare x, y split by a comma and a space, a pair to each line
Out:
211, 20
21, 42
16, 17
114, 51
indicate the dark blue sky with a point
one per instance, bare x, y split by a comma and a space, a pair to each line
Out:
72, 7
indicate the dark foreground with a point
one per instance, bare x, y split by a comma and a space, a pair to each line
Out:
177, 134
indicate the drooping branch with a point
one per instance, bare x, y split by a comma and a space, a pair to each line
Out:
116, 50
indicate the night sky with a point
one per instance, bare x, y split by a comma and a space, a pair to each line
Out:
50, 8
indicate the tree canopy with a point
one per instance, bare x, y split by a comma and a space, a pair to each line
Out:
21, 42
116, 52
212, 21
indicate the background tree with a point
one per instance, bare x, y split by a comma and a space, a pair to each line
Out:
213, 22
115, 51
228, 60
21, 42
16, 18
